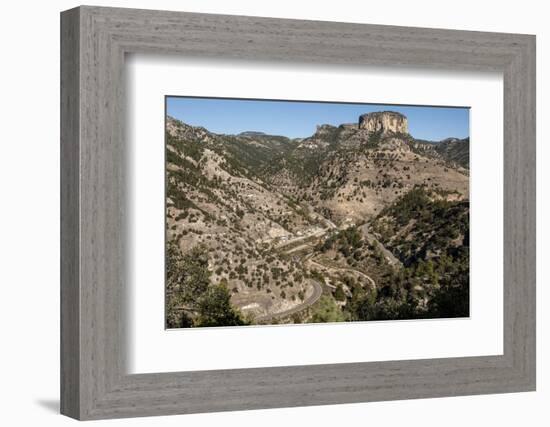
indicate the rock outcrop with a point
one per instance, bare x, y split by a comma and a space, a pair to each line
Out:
384, 122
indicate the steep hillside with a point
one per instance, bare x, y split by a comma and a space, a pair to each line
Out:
216, 201
430, 235
455, 150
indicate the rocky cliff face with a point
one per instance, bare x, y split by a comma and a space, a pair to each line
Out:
384, 122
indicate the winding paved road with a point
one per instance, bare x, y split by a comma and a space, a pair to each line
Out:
312, 299
317, 288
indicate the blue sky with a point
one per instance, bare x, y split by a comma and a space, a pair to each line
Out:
299, 119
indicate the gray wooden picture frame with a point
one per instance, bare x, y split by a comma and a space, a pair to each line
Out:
94, 381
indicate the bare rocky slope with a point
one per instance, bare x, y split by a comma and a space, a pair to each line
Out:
260, 207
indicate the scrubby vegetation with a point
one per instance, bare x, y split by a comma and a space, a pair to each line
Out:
430, 235
424, 224
340, 226
326, 311
191, 299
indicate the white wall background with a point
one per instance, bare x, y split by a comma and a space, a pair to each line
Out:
29, 213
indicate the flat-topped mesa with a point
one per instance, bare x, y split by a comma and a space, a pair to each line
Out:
384, 122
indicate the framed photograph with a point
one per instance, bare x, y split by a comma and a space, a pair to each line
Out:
262, 213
